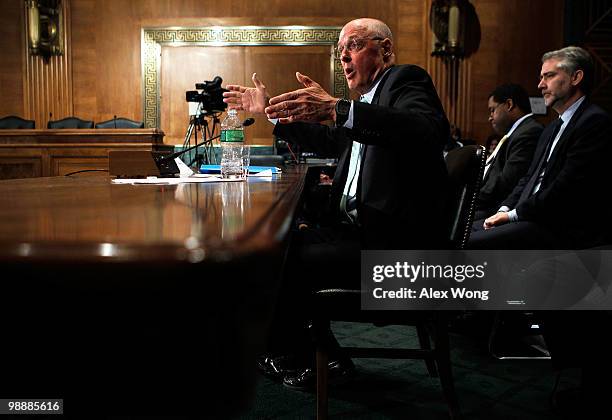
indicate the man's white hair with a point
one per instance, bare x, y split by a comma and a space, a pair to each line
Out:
373, 27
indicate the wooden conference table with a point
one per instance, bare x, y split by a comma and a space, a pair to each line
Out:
145, 299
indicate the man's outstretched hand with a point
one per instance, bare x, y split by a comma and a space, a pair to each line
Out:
247, 99
309, 104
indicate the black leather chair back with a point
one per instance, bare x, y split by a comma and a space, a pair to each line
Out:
120, 123
465, 168
70, 122
13, 122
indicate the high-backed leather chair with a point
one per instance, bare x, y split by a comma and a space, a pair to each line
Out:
14, 122
70, 122
465, 168
120, 123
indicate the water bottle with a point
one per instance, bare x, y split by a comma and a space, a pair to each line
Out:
232, 142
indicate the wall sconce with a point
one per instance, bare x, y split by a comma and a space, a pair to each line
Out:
44, 22
447, 21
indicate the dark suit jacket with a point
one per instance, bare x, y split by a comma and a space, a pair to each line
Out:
509, 165
403, 183
573, 200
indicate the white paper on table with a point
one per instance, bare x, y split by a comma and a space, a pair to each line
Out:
267, 172
184, 170
172, 181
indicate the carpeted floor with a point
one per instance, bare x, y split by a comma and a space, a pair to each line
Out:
487, 388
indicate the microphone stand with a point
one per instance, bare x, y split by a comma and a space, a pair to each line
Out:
195, 125
164, 160
178, 154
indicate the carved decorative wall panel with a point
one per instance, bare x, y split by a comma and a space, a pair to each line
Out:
154, 38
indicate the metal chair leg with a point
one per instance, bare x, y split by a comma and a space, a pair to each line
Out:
442, 351
322, 372
426, 345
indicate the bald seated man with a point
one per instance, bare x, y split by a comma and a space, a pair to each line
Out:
390, 186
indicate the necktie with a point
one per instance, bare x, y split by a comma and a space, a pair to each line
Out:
491, 158
538, 175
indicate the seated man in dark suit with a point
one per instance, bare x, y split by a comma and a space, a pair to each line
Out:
390, 187
553, 205
561, 203
510, 116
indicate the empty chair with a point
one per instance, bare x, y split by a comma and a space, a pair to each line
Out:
120, 123
13, 121
70, 122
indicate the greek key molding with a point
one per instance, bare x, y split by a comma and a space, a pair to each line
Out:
153, 38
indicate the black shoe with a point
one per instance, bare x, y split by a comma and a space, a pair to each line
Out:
340, 371
517, 347
277, 367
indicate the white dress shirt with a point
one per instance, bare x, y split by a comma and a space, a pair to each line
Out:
566, 117
352, 180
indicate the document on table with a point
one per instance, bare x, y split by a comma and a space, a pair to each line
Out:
171, 181
195, 178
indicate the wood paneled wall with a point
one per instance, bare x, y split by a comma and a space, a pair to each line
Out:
47, 87
103, 49
182, 67
12, 38
514, 35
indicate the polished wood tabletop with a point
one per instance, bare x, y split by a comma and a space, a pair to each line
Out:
90, 219
134, 291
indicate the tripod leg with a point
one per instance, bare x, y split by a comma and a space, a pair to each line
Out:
211, 150
187, 140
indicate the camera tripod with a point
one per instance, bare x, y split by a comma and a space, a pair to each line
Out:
199, 123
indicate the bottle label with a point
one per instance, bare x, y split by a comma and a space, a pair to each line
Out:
234, 136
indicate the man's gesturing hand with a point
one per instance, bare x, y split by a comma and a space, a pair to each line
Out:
310, 104
252, 100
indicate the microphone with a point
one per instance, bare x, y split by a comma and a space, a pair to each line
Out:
115, 120
180, 153
245, 123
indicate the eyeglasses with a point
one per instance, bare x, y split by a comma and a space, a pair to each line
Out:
492, 110
353, 45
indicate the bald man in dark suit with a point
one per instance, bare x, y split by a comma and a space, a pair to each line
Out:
390, 190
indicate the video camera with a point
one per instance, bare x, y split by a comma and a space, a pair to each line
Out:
211, 98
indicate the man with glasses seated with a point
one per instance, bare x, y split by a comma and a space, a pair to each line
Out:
511, 118
390, 187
